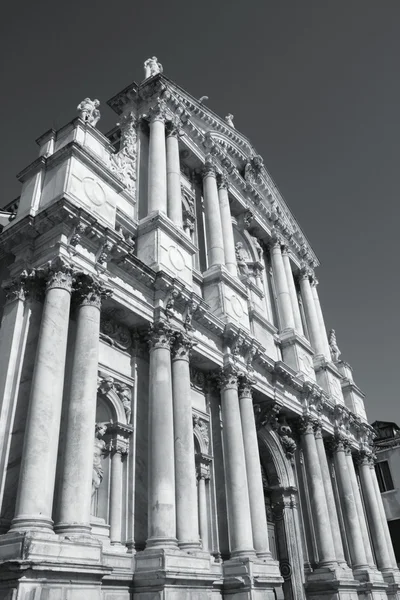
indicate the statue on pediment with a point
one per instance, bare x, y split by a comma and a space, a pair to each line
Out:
334, 348
89, 111
229, 120
152, 67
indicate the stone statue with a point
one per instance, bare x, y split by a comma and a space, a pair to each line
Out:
241, 258
89, 111
152, 67
124, 394
229, 120
258, 247
334, 348
98, 451
203, 99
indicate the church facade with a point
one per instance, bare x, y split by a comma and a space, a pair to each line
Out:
175, 421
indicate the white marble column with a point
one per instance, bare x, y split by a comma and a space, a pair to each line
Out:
323, 536
330, 498
285, 310
350, 513
311, 313
320, 316
157, 181
239, 516
383, 558
253, 469
39, 456
185, 469
292, 291
214, 232
161, 494
203, 475
76, 483
360, 510
227, 229
118, 450
174, 200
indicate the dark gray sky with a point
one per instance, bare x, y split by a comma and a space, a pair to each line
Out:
313, 84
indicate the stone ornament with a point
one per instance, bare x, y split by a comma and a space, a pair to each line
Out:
253, 169
229, 120
115, 334
152, 67
160, 336
158, 112
201, 426
124, 162
241, 259
106, 383
98, 451
89, 291
89, 111
334, 348
182, 346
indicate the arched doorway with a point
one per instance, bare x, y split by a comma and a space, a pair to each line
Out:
282, 506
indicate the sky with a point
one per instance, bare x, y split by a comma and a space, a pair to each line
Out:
313, 84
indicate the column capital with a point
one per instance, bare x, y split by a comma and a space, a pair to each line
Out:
158, 112
209, 169
307, 424
285, 250
227, 378
203, 466
182, 343
304, 273
245, 386
118, 445
222, 181
338, 443
364, 458
17, 288
89, 291
160, 335
174, 126
275, 241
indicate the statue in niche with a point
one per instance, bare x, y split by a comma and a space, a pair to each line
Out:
258, 247
229, 120
124, 393
241, 259
152, 67
98, 452
89, 111
334, 348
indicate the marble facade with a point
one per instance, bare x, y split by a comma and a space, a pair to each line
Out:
175, 421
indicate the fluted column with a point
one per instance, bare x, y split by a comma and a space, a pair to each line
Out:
239, 516
320, 316
385, 526
161, 496
330, 499
227, 229
383, 558
185, 470
39, 456
76, 482
174, 201
118, 450
282, 290
292, 291
311, 313
157, 182
360, 510
203, 475
215, 241
325, 546
352, 522
253, 469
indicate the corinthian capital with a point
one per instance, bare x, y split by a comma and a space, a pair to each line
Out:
160, 336
246, 383
307, 425
209, 166
227, 378
158, 112
182, 345
16, 289
89, 291
222, 181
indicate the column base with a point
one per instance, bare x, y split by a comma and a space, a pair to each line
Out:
335, 582
392, 579
190, 547
159, 543
75, 529
251, 579
32, 523
176, 575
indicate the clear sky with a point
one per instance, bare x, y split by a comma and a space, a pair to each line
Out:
315, 86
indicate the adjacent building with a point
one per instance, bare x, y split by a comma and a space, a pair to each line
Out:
175, 421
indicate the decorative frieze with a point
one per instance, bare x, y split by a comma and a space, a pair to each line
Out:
124, 163
115, 334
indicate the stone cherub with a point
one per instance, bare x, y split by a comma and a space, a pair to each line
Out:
89, 111
241, 259
334, 348
98, 451
152, 67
